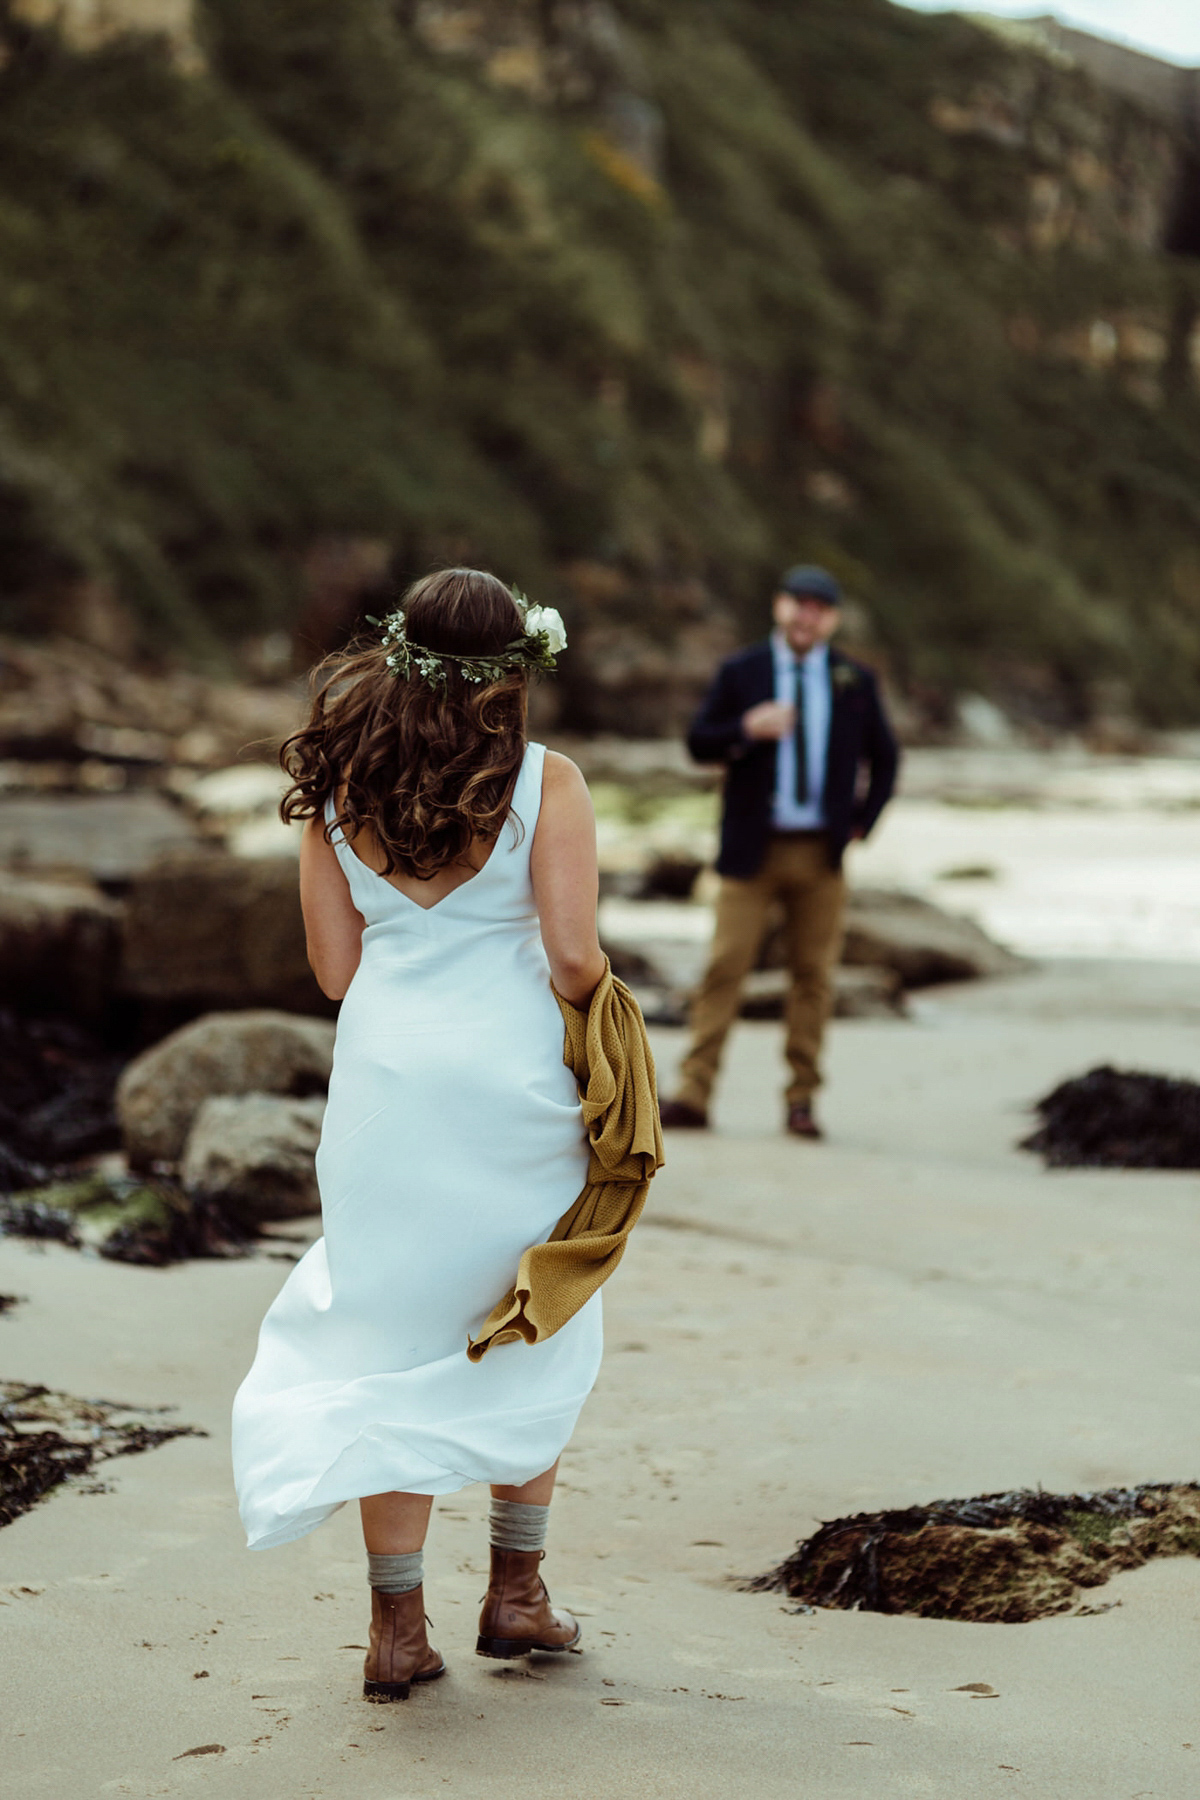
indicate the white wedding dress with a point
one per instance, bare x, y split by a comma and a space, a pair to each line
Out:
453, 1140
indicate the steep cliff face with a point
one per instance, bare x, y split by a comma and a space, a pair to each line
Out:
635, 300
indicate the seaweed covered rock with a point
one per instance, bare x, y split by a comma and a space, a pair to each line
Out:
127, 1218
252, 1154
999, 1557
1119, 1119
257, 1052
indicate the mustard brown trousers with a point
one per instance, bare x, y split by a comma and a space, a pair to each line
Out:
797, 874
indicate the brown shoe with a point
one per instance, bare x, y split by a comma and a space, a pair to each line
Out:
800, 1123
517, 1616
400, 1652
679, 1116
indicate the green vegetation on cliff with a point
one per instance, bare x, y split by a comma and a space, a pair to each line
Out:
868, 287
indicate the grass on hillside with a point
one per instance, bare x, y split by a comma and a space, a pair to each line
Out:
337, 284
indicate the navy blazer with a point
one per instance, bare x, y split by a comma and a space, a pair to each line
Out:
860, 768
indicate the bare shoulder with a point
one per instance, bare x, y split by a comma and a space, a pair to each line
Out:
567, 822
318, 858
313, 841
564, 789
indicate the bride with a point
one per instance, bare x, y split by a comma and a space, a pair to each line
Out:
447, 876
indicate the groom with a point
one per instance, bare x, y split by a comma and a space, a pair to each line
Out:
810, 763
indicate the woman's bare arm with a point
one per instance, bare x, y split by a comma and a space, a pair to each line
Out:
566, 881
333, 926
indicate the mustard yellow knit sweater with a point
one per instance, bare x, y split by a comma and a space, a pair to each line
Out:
606, 1047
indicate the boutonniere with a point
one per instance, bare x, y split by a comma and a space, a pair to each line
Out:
844, 675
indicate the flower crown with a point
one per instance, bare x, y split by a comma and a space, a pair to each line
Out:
544, 636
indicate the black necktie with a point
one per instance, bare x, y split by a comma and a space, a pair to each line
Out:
801, 740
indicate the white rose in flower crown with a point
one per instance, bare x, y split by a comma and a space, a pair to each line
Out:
546, 621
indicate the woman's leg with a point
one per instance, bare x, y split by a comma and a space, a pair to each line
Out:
399, 1653
537, 1492
517, 1615
395, 1524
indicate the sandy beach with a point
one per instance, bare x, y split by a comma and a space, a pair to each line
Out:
872, 327
914, 1310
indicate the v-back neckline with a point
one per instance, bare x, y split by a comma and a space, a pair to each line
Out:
434, 904
470, 880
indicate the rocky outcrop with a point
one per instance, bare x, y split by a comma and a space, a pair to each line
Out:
108, 838
73, 704
893, 942
91, 24
1162, 87
920, 942
253, 1155
1097, 174
161, 1092
58, 944
211, 930
574, 53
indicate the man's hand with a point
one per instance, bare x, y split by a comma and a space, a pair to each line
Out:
772, 719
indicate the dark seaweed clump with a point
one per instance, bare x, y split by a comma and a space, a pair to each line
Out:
56, 1097
28, 1216
46, 1438
1119, 1119
998, 1557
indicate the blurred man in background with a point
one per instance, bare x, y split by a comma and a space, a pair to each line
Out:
810, 763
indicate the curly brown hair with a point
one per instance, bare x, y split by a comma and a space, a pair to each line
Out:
428, 769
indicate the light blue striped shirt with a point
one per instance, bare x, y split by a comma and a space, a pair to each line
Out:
787, 812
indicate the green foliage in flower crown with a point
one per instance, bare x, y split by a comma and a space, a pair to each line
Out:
405, 659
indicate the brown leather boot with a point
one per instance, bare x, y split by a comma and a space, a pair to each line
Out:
517, 1615
400, 1652
677, 1115
801, 1124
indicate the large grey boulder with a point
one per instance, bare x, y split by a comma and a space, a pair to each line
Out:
58, 943
920, 942
207, 930
161, 1091
254, 1154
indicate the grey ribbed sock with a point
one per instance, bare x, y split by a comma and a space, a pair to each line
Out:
396, 1574
514, 1526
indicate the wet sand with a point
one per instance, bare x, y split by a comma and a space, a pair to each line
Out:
914, 1309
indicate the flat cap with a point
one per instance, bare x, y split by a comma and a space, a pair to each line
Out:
807, 581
